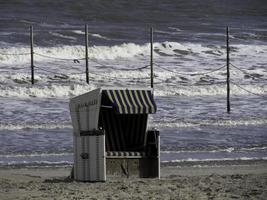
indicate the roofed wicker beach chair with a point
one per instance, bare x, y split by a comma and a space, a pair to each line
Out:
111, 136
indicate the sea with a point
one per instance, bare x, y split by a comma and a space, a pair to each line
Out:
189, 74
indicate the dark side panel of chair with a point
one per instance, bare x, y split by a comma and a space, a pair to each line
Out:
123, 132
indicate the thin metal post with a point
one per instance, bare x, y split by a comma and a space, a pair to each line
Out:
86, 54
151, 57
228, 69
32, 65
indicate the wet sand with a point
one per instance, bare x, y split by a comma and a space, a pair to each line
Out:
245, 181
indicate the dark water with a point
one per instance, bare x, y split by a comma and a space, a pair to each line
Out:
129, 21
189, 36
192, 129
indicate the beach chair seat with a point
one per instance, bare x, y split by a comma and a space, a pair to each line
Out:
125, 154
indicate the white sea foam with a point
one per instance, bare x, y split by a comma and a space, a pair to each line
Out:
20, 126
44, 91
130, 50
79, 32
10, 163
175, 29
253, 148
63, 36
10, 55
209, 90
26, 90
219, 150
183, 60
162, 124
36, 155
215, 159
230, 149
19, 86
202, 122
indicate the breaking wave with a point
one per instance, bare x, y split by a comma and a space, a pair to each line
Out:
22, 88
214, 159
47, 126
155, 124
221, 122
20, 54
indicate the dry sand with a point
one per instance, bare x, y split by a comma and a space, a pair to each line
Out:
177, 182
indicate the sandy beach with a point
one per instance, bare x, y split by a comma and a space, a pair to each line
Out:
242, 181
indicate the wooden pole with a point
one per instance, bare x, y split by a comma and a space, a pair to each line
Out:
151, 57
86, 55
32, 66
228, 69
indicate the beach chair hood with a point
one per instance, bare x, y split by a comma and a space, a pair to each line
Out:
130, 101
85, 109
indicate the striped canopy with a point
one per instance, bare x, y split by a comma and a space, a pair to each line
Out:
132, 101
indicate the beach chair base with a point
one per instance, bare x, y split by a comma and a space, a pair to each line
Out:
132, 167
